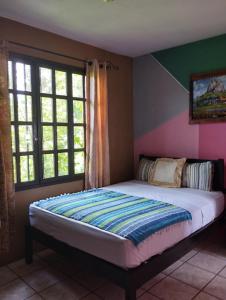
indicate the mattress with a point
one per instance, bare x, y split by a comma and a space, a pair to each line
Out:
203, 206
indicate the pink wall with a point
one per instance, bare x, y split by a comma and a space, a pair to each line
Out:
173, 138
177, 138
212, 141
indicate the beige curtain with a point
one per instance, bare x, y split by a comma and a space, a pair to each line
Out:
6, 169
97, 170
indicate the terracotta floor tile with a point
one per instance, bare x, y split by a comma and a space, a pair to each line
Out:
111, 291
189, 255
204, 296
16, 290
6, 275
192, 275
207, 262
65, 290
172, 267
89, 280
223, 273
34, 297
217, 287
148, 296
172, 289
49, 272
91, 297
217, 249
42, 279
153, 281
21, 268
140, 292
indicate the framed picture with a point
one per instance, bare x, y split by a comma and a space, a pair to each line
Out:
208, 97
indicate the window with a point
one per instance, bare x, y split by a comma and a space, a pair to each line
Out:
47, 105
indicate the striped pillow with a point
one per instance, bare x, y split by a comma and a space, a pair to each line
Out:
198, 176
144, 169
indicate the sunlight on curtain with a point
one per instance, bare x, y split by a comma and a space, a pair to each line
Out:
6, 169
97, 173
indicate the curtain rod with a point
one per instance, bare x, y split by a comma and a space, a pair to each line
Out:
84, 61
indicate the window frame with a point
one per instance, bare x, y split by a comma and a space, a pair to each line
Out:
36, 95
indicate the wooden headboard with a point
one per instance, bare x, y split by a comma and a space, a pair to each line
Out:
218, 178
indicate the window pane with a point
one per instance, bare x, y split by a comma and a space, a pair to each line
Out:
77, 85
47, 137
62, 164
24, 108
25, 138
48, 166
23, 77
78, 112
11, 100
53, 119
45, 80
61, 110
20, 77
79, 162
13, 138
28, 78
62, 137
26, 168
78, 137
47, 109
14, 169
10, 75
61, 85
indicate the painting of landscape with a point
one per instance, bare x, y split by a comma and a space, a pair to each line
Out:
208, 98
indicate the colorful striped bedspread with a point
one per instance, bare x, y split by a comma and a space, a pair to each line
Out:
131, 217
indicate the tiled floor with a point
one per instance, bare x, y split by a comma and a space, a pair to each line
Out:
199, 275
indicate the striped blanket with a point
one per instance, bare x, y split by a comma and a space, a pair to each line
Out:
131, 217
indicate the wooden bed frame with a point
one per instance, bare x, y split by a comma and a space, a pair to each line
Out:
129, 279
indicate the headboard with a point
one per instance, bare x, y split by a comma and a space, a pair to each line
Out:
218, 178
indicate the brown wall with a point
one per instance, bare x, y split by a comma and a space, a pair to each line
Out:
120, 113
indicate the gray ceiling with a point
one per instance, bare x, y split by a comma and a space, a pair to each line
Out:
129, 27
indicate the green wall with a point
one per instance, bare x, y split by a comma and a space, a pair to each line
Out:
202, 56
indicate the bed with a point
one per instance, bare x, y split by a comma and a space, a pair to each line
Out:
117, 257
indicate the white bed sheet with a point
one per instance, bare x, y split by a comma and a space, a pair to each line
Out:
204, 207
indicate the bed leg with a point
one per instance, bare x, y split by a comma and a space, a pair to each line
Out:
131, 294
28, 245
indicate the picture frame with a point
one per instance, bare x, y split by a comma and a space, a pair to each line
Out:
208, 97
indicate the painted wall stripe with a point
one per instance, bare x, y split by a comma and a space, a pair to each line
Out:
165, 69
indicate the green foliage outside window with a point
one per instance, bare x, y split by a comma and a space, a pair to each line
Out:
43, 119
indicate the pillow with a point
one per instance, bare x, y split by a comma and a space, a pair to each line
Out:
167, 172
144, 169
198, 176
